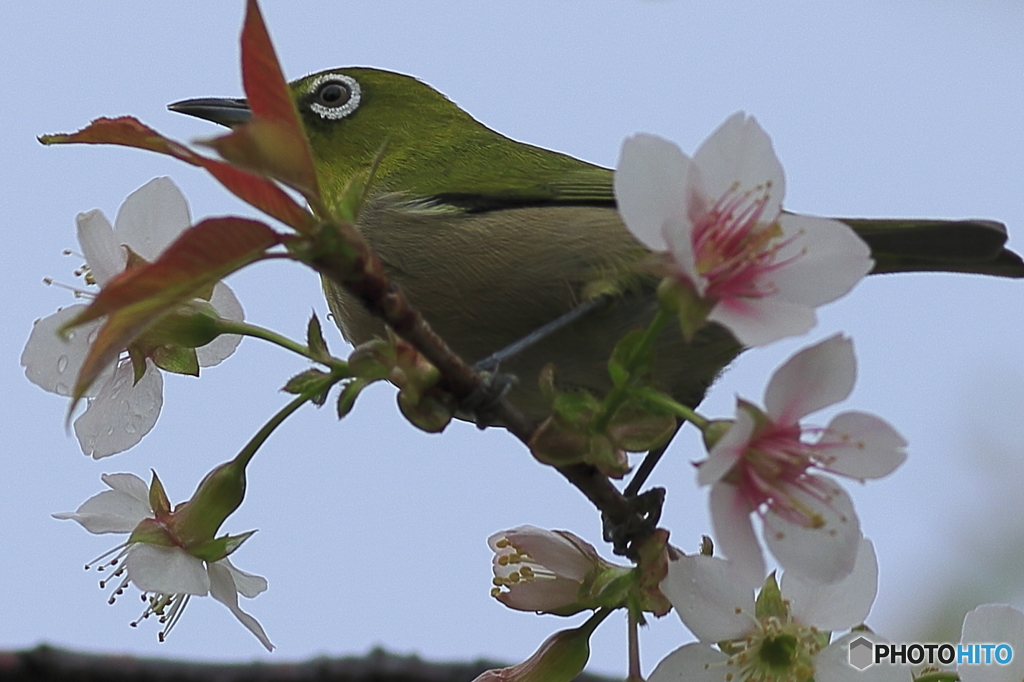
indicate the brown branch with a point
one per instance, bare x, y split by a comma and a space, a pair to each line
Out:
344, 257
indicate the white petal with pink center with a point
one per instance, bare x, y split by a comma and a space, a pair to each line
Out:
766, 465
718, 218
119, 411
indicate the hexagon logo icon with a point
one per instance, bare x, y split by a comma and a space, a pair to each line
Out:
861, 653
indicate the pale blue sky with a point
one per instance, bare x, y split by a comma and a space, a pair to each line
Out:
373, 533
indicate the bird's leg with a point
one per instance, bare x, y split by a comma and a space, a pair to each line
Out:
651, 460
493, 361
497, 384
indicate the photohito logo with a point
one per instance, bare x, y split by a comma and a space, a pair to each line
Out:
863, 653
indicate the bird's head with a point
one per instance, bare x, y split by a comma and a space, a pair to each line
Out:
431, 147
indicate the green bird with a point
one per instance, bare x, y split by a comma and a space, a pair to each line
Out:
492, 238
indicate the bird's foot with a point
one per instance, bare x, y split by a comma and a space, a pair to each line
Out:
626, 535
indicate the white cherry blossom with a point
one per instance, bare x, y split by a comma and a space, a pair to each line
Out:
120, 410
756, 270
763, 464
787, 641
169, 576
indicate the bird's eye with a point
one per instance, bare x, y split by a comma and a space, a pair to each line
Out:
334, 95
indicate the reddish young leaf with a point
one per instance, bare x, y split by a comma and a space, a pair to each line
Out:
270, 101
139, 297
255, 190
268, 148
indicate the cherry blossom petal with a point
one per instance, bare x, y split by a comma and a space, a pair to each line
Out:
152, 217
678, 236
823, 259
224, 588
832, 664
121, 413
839, 605
227, 306
117, 510
52, 360
861, 446
569, 557
248, 585
760, 321
691, 663
711, 596
816, 377
129, 484
728, 450
101, 248
994, 624
650, 188
734, 532
541, 595
739, 153
818, 555
166, 570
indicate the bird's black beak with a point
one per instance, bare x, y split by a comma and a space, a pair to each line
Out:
227, 112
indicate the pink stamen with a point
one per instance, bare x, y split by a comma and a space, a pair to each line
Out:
735, 245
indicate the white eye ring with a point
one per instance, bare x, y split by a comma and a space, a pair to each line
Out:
338, 112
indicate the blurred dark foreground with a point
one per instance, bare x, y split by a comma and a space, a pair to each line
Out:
49, 664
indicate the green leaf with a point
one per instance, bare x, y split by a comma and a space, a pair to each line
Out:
347, 396
313, 383
315, 340
622, 365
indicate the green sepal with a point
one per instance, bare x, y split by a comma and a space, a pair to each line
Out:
191, 325
576, 407
152, 532
372, 360
638, 428
429, 412
559, 443
176, 359
218, 548
138, 360
715, 430
315, 341
679, 297
158, 500
651, 569
769, 602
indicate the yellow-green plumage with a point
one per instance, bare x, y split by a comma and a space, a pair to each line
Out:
492, 238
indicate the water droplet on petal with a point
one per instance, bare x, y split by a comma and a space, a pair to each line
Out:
62, 363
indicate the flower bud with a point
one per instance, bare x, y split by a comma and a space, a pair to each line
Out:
553, 572
219, 494
560, 658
